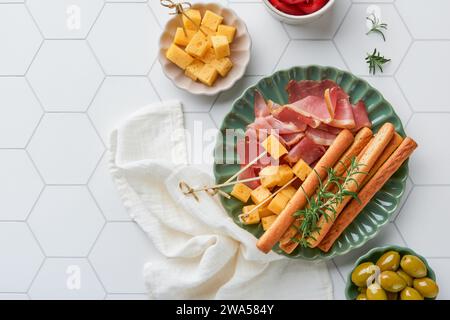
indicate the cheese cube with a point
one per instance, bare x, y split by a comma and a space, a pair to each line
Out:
223, 66
249, 218
209, 33
193, 69
267, 221
288, 192
195, 16
285, 173
260, 194
264, 212
178, 56
182, 38
198, 45
227, 31
208, 75
301, 169
211, 20
278, 203
269, 176
241, 191
221, 46
274, 147
209, 56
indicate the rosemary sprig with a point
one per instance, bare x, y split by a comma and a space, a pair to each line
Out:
377, 26
325, 200
376, 60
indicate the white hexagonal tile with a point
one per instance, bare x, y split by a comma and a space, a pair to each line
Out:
408, 188
119, 256
105, 192
433, 17
20, 112
20, 185
425, 213
127, 297
65, 148
65, 19
125, 38
338, 282
64, 279
429, 163
225, 100
19, 37
423, 75
21, 257
389, 235
354, 44
441, 267
167, 90
304, 52
117, 99
66, 221
65, 75
390, 90
323, 28
163, 14
269, 39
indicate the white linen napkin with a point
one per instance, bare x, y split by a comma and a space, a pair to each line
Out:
207, 256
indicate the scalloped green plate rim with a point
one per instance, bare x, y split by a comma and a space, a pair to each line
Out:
379, 209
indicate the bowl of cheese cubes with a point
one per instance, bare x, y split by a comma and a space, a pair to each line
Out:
207, 51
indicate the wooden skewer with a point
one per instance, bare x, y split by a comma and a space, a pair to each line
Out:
246, 167
225, 184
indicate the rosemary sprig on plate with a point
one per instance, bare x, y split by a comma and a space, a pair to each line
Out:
377, 26
376, 61
329, 194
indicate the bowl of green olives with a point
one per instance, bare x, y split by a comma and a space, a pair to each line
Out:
391, 273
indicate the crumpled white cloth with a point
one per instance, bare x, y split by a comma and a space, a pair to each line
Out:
206, 255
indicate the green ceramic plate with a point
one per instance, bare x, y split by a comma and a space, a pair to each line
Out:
382, 206
351, 291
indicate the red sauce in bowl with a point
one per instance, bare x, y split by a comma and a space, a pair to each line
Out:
298, 7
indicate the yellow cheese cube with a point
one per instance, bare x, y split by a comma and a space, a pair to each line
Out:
227, 31
198, 45
196, 18
178, 56
223, 66
193, 69
221, 46
288, 192
182, 38
267, 221
249, 218
209, 56
285, 173
274, 147
278, 203
269, 176
211, 20
260, 194
209, 33
264, 212
301, 169
241, 191
208, 75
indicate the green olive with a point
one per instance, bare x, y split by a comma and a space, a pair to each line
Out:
406, 277
389, 261
391, 281
410, 294
361, 273
426, 287
361, 296
375, 292
392, 295
413, 266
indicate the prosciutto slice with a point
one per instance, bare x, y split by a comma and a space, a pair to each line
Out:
329, 129
320, 137
270, 123
260, 105
343, 114
251, 172
360, 115
298, 90
307, 150
313, 107
288, 113
293, 138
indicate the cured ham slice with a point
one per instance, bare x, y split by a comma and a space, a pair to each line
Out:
320, 137
307, 150
251, 172
293, 138
289, 113
314, 107
298, 90
339, 102
270, 123
360, 115
329, 129
261, 107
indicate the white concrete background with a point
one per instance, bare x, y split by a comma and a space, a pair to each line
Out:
63, 90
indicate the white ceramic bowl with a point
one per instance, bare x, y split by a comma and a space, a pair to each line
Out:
240, 53
291, 19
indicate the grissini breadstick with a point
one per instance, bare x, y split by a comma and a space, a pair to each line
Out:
368, 159
299, 200
362, 138
378, 180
